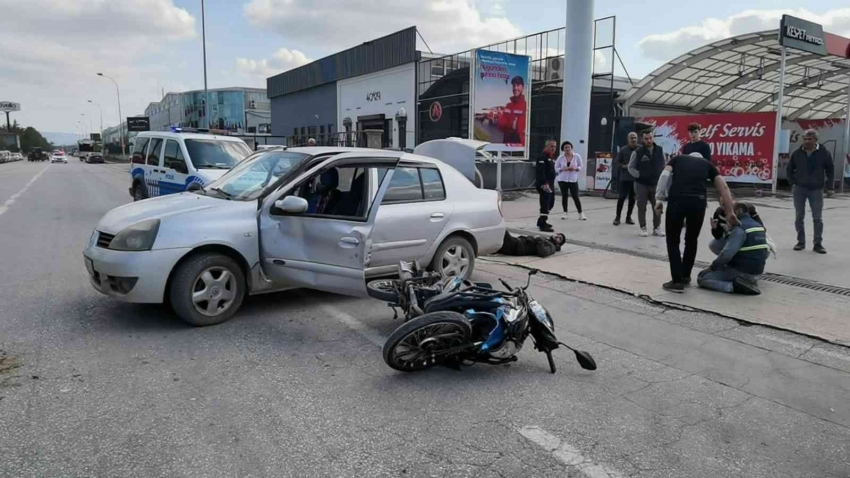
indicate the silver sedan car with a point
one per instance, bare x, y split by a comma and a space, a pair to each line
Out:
319, 218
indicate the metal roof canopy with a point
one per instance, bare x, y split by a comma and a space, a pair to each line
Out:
741, 74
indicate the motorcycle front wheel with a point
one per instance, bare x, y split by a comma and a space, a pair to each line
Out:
383, 289
416, 345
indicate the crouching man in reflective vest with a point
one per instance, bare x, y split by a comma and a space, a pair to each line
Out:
742, 259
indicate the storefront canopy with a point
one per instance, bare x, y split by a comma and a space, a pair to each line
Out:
741, 74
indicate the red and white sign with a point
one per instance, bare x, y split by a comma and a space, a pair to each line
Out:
741, 143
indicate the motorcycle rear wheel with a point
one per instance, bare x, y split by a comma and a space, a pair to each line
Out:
411, 347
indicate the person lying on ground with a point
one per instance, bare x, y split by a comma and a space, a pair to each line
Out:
531, 245
737, 267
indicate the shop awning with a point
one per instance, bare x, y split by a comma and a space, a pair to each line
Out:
741, 74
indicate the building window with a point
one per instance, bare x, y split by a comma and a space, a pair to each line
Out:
294, 131
322, 129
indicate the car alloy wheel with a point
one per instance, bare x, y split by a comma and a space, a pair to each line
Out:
455, 261
214, 291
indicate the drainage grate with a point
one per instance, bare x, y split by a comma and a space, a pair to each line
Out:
769, 277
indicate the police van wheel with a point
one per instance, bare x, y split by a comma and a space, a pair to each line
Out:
139, 192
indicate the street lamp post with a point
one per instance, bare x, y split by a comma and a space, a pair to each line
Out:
120, 117
101, 120
84, 124
204, 42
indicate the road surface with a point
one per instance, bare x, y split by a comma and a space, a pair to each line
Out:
295, 385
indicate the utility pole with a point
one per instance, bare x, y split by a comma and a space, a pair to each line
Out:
204, 41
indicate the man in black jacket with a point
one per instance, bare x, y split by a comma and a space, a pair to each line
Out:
646, 164
531, 245
627, 181
806, 171
546, 184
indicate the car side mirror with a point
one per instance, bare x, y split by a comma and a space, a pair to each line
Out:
292, 205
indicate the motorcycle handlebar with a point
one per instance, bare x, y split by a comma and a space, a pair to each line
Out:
507, 286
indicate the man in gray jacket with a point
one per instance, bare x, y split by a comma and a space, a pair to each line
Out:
807, 168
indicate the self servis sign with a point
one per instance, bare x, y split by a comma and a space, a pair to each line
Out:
741, 143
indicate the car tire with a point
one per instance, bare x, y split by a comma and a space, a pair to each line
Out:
139, 192
225, 294
455, 256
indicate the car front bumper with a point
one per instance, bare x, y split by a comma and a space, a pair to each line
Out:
137, 277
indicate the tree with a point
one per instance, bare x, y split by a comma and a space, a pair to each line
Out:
31, 138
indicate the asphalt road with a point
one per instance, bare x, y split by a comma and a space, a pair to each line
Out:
295, 384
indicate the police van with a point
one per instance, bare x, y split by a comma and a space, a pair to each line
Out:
172, 162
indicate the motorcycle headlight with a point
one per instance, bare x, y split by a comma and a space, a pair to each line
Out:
138, 237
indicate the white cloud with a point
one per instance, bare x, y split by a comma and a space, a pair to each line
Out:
51, 50
258, 70
447, 25
666, 46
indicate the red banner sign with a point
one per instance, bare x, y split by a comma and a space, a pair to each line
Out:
741, 143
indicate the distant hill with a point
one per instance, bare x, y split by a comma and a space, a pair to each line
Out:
61, 139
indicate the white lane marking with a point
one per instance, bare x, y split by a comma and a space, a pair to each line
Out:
362, 329
14, 198
568, 454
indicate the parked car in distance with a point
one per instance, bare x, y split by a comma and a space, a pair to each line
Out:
318, 218
167, 162
94, 158
58, 157
17, 157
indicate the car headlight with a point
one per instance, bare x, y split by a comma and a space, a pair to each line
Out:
138, 237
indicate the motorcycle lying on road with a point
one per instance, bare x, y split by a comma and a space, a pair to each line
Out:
450, 321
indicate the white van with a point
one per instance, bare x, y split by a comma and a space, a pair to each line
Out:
167, 163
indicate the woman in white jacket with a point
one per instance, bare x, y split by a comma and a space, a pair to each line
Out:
569, 166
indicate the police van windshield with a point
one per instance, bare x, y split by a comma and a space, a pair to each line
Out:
216, 154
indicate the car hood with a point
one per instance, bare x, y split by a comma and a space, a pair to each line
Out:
212, 174
161, 207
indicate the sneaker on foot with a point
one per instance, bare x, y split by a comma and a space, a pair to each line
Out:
674, 286
744, 287
617, 222
643, 232
658, 232
582, 216
629, 221
686, 281
564, 216
799, 247
819, 249
547, 228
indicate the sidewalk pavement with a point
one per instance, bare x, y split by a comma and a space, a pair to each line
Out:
616, 257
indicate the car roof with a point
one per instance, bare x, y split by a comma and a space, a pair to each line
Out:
170, 134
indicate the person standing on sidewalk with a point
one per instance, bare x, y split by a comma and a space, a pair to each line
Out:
682, 184
697, 145
806, 171
546, 184
569, 166
627, 181
645, 165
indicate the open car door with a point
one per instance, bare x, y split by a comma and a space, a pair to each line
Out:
316, 231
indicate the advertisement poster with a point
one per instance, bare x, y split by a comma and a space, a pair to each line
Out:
830, 136
501, 97
741, 143
604, 162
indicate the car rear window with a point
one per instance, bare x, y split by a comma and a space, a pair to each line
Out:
414, 184
216, 154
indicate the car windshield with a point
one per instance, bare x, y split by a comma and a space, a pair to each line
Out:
249, 179
216, 154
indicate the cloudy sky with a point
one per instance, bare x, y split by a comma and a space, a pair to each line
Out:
52, 50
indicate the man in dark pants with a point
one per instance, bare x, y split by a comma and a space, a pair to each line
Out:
626, 180
546, 184
682, 184
645, 165
806, 171
697, 145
